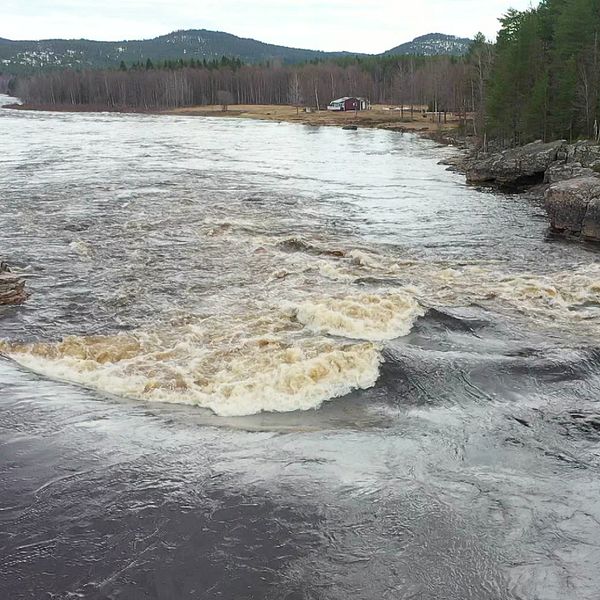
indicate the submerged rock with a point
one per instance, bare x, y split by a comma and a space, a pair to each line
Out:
12, 287
573, 207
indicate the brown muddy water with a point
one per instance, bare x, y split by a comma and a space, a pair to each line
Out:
271, 361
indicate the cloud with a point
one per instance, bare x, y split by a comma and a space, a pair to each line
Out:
353, 25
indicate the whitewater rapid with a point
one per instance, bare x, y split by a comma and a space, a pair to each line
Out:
186, 282
274, 361
295, 349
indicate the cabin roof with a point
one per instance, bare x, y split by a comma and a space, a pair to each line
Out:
347, 98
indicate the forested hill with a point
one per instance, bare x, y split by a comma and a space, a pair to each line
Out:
21, 56
545, 80
434, 44
31, 56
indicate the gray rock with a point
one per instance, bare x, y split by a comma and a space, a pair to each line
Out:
516, 166
587, 153
573, 206
561, 171
591, 221
562, 155
456, 163
12, 287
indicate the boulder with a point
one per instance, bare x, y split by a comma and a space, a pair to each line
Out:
573, 207
570, 174
516, 166
12, 287
459, 162
560, 171
591, 221
586, 153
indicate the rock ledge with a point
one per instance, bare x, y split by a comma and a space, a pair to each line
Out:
568, 174
573, 207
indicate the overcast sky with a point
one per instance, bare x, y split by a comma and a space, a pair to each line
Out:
355, 25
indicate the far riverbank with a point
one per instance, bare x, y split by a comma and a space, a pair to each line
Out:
391, 118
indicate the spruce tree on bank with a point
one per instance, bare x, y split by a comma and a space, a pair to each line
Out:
545, 83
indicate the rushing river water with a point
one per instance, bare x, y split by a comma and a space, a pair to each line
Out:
265, 360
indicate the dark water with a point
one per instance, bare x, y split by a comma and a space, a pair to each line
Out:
196, 282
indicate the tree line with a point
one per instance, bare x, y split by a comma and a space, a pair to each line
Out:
540, 80
182, 63
545, 82
5, 81
443, 83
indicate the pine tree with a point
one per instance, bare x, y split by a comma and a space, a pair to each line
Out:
575, 60
546, 80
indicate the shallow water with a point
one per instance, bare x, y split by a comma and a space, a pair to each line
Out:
265, 360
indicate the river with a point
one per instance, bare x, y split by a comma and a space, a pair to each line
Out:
273, 361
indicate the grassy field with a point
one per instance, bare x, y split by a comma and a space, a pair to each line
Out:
381, 117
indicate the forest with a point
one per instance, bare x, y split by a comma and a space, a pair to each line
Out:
443, 82
539, 80
545, 82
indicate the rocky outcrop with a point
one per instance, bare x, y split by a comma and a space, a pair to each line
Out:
12, 287
524, 165
570, 174
573, 207
561, 171
585, 153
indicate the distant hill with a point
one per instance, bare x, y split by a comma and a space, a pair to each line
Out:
30, 56
434, 44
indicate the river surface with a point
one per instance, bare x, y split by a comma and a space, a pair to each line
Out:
271, 361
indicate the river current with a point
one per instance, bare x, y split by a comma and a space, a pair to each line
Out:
267, 360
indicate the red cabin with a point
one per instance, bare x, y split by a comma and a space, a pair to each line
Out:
347, 103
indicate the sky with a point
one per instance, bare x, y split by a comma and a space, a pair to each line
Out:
355, 25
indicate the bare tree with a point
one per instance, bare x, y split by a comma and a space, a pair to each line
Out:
224, 98
439, 82
295, 94
4, 83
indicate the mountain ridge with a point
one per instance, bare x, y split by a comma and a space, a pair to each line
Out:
432, 44
25, 56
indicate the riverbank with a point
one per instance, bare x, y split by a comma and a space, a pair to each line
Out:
565, 176
379, 117
538, 169
387, 117
220, 260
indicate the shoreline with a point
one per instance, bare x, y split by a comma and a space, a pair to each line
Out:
381, 117
535, 168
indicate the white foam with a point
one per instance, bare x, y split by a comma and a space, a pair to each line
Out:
328, 271
374, 317
262, 375
364, 259
82, 248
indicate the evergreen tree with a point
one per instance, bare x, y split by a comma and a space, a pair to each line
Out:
546, 79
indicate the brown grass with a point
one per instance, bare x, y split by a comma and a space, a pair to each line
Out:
381, 117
